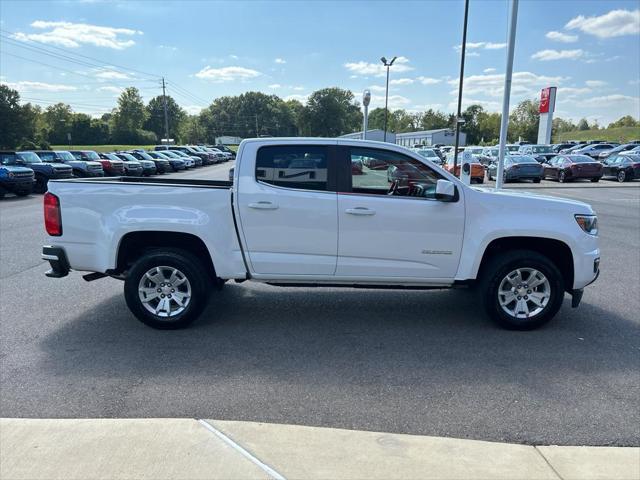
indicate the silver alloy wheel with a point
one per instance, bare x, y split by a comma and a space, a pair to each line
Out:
524, 293
622, 176
164, 291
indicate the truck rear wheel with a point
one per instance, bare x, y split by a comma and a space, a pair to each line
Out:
167, 289
522, 289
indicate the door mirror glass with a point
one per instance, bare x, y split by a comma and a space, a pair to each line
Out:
445, 191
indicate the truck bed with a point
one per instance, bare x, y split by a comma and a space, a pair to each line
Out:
157, 181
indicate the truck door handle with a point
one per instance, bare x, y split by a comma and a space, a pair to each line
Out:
360, 211
263, 205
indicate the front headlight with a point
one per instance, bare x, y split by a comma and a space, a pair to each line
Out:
588, 223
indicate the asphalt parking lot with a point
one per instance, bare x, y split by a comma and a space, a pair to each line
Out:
396, 361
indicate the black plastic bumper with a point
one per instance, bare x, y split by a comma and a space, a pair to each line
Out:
57, 258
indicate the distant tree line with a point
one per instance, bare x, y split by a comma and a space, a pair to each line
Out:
328, 112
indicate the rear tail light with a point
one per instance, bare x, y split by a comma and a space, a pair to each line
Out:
52, 217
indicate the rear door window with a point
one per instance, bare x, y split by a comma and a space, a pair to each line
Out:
302, 167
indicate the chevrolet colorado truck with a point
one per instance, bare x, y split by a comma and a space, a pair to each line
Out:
296, 214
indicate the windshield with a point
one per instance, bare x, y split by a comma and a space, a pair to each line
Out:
542, 149
169, 154
112, 156
65, 156
512, 148
8, 158
128, 157
427, 153
180, 153
581, 159
29, 157
144, 155
91, 155
522, 159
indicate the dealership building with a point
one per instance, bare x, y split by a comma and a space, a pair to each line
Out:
444, 136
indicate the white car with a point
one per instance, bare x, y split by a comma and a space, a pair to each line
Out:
298, 214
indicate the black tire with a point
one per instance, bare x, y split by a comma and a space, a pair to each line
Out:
480, 180
23, 193
504, 263
78, 173
41, 184
622, 176
562, 177
595, 180
537, 180
198, 278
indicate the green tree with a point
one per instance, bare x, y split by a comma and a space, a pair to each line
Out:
192, 131
331, 112
58, 120
129, 117
583, 124
471, 124
376, 120
489, 127
11, 117
626, 121
434, 120
524, 120
155, 116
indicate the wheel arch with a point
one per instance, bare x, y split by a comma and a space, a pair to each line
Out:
133, 244
556, 250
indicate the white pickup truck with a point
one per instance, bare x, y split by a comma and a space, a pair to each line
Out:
322, 212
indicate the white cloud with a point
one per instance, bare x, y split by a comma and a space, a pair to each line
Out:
110, 89
280, 61
401, 81
275, 86
193, 109
234, 57
168, 48
524, 84
546, 55
634, 82
429, 80
299, 97
480, 46
28, 86
490, 105
471, 54
227, 74
561, 37
105, 74
595, 83
378, 69
395, 101
608, 101
616, 23
565, 92
73, 35
489, 70
298, 88
377, 88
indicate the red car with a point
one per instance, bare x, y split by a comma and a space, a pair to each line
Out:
566, 168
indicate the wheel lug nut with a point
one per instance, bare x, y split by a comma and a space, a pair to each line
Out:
519, 298
528, 291
172, 290
162, 296
169, 295
525, 297
159, 290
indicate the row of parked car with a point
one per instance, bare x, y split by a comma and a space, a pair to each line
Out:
22, 172
561, 162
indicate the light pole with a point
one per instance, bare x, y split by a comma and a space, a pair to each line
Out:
386, 97
366, 99
459, 119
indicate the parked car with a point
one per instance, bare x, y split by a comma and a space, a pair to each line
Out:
541, 153
489, 155
511, 147
162, 162
614, 151
79, 168
561, 146
226, 155
172, 243
518, 167
224, 148
623, 167
204, 156
430, 154
147, 162
44, 171
112, 168
189, 161
15, 177
566, 168
477, 169
132, 167
357, 167
572, 149
175, 160
594, 150
220, 157
212, 157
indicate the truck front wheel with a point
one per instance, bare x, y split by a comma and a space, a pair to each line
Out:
522, 289
167, 289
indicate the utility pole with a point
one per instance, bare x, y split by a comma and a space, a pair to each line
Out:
459, 115
257, 135
504, 124
166, 114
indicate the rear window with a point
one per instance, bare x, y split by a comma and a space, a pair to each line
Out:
581, 159
301, 167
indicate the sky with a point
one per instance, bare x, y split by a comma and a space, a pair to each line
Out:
83, 52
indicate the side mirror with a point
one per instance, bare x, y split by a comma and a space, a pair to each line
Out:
445, 191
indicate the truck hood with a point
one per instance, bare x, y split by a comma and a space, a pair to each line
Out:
15, 169
535, 201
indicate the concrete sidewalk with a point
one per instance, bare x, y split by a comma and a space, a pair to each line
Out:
199, 449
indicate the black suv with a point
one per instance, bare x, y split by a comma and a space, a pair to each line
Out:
44, 171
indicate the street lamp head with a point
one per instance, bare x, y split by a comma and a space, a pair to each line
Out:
392, 60
384, 60
366, 98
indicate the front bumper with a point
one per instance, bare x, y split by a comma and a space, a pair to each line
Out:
18, 185
57, 258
